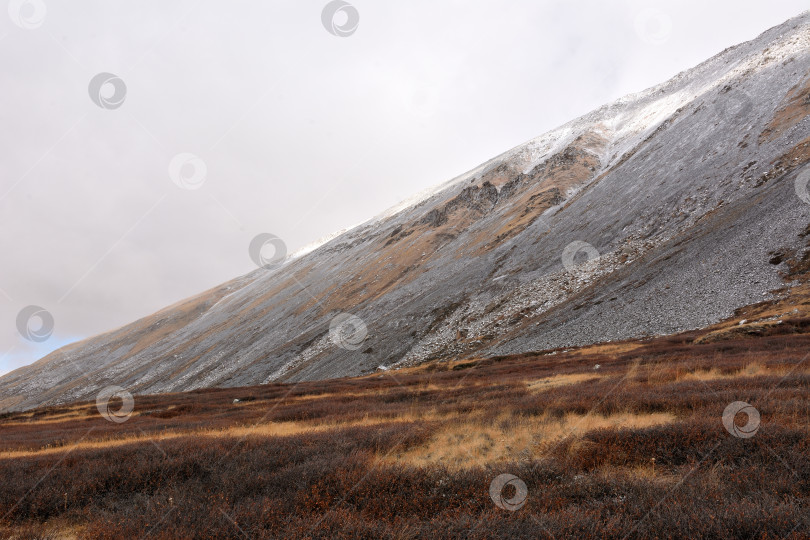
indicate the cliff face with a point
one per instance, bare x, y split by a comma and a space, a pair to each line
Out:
660, 212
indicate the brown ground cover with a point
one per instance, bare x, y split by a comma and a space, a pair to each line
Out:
635, 447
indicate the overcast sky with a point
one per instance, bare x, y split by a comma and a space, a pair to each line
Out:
296, 131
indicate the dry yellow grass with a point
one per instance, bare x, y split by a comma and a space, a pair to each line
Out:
421, 388
84, 411
665, 374
29, 419
750, 370
606, 349
278, 429
471, 442
561, 380
269, 429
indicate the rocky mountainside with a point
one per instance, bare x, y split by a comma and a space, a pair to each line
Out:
663, 211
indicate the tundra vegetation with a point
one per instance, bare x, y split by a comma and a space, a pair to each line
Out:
613, 440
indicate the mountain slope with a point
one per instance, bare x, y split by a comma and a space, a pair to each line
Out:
685, 191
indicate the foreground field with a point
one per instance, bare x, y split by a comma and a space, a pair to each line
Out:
612, 441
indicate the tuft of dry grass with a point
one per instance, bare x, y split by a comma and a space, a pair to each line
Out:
561, 380
665, 374
262, 430
466, 442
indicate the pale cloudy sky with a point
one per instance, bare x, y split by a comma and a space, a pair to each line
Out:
300, 132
